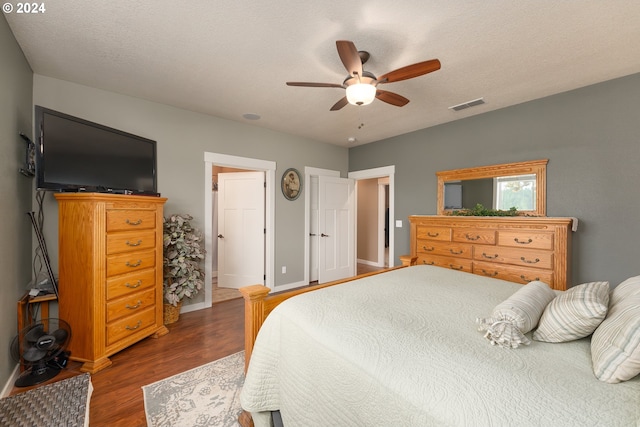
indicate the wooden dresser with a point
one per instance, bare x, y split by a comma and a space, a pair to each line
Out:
518, 249
110, 272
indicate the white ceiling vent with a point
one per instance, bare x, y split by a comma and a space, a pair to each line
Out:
467, 104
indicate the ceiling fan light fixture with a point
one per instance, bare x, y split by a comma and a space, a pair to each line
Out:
361, 94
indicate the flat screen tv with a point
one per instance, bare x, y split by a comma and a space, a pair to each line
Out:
73, 154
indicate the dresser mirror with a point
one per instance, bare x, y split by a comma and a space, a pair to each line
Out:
521, 185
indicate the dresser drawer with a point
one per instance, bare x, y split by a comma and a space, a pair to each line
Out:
130, 325
523, 257
130, 219
130, 241
472, 235
447, 262
526, 239
512, 273
129, 262
130, 304
433, 233
447, 249
129, 283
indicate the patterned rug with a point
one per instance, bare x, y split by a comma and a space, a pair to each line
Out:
208, 395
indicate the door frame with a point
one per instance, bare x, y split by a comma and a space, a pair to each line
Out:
269, 169
381, 172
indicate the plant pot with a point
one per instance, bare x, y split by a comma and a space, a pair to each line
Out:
171, 313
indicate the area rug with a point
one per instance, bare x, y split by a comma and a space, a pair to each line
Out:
208, 395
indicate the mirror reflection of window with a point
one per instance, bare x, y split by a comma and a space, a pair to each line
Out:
453, 195
515, 191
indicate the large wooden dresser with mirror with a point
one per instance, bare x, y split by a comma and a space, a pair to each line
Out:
110, 272
518, 249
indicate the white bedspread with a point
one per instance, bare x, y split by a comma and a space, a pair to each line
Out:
402, 349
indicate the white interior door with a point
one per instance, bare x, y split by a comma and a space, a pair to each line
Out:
336, 214
314, 229
241, 229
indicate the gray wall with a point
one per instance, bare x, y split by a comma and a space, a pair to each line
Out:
591, 137
182, 139
15, 189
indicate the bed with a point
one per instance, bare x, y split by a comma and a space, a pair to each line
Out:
402, 348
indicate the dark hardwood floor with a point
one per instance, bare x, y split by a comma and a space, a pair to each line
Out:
197, 338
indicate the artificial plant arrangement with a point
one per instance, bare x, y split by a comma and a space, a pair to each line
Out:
480, 210
183, 250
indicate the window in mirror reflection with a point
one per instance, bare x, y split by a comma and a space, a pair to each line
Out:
515, 191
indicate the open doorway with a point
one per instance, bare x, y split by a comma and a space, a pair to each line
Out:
216, 160
372, 245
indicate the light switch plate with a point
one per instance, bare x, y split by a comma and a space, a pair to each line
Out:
398, 223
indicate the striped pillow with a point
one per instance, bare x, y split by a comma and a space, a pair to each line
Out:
517, 315
574, 314
615, 345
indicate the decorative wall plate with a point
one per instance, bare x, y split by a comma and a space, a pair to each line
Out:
291, 184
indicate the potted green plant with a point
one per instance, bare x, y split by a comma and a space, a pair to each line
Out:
183, 275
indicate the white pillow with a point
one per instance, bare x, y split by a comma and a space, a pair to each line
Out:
628, 288
574, 314
517, 315
615, 345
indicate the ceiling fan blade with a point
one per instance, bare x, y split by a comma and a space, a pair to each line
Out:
307, 84
410, 71
391, 98
338, 105
349, 57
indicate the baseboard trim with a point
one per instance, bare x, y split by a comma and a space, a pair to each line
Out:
11, 381
371, 263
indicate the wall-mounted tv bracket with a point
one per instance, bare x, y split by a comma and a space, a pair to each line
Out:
29, 168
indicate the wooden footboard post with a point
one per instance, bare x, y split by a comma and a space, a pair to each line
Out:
253, 316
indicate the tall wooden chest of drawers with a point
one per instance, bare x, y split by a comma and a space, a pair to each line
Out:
110, 272
518, 249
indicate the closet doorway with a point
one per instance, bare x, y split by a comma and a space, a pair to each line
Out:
222, 163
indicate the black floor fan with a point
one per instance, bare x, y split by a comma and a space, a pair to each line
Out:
40, 349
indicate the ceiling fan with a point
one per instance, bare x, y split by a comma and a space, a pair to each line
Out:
361, 86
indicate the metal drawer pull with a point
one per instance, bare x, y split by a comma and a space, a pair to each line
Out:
529, 261
427, 263
134, 244
324, 235
137, 285
136, 264
428, 248
136, 222
489, 256
515, 239
456, 252
432, 234
528, 280
133, 328
471, 237
453, 267
133, 307
486, 273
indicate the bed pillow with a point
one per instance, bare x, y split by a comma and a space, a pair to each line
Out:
615, 344
574, 314
517, 315
626, 289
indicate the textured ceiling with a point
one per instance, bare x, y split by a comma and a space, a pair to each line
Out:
230, 57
